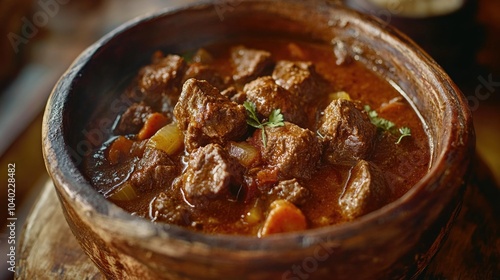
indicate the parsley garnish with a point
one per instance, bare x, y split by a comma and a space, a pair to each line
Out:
405, 131
387, 125
275, 119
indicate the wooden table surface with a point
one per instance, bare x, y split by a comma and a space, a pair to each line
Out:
48, 250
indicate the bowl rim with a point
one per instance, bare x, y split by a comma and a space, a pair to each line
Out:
70, 182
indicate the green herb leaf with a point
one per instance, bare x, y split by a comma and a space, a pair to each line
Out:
253, 123
252, 119
387, 125
383, 124
264, 138
275, 119
188, 56
405, 131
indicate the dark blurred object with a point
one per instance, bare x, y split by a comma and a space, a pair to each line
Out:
24, 21
489, 55
88, 4
14, 15
451, 35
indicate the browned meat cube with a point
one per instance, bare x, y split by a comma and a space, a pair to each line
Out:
155, 169
208, 73
167, 207
235, 95
348, 134
249, 63
210, 173
267, 96
163, 77
133, 119
295, 151
300, 78
365, 191
206, 116
290, 190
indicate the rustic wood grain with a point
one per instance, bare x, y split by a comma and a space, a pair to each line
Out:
48, 249
472, 250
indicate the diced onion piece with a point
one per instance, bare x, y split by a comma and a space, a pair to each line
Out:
168, 139
119, 149
244, 152
154, 122
126, 192
283, 217
339, 95
254, 215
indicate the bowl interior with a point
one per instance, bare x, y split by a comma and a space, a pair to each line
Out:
95, 79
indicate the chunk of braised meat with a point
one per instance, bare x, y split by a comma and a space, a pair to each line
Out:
267, 96
229, 92
248, 64
206, 116
210, 174
293, 150
348, 134
168, 208
290, 190
234, 95
365, 191
238, 96
154, 169
166, 105
298, 77
133, 119
208, 73
162, 77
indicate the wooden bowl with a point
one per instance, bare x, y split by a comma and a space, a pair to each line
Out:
395, 241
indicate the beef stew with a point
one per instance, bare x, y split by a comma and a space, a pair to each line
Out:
258, 137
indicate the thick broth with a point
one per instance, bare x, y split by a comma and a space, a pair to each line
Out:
245, 209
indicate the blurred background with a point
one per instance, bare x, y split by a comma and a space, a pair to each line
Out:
40, 39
